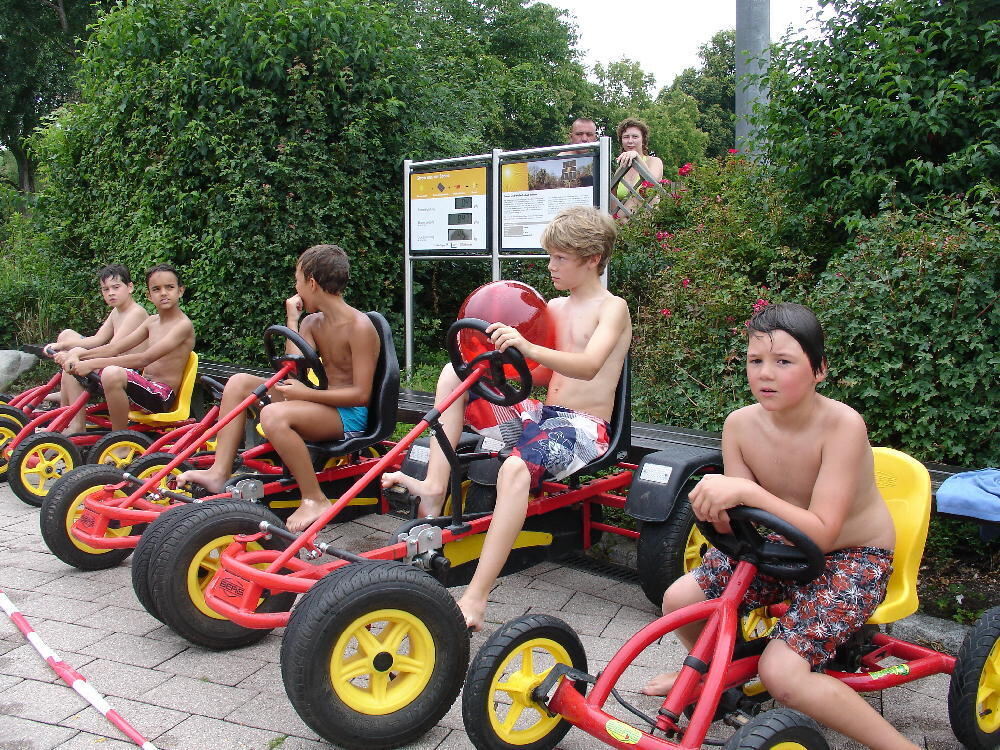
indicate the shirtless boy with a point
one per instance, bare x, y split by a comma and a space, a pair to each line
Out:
593, 331
159, 347
126, 315
806, 459
348, 344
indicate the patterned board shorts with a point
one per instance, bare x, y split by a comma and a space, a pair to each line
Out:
147, 394
553, 441
823, 613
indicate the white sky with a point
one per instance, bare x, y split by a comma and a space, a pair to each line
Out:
664, 35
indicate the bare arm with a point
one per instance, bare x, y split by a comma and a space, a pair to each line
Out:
364, 346
101, 336
613, 323
119, 344
173, 339
832, 496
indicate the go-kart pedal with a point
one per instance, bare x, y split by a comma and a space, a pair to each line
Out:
401, 503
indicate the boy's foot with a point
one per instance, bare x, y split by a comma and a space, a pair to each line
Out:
203, 478
431, 501
660, 685
474, 611
306, 513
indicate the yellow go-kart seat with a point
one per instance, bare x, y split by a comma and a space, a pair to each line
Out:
906, 487
182, 401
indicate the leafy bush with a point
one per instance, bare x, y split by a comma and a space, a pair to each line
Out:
692, 270
897, 95
911, 315
228, 137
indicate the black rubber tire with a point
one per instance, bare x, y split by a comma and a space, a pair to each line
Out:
478, 701
63, 504
662, 554
168, 572
778, 726
34, 494
138, 442
9, 429
12, 412
345, 599
978, 665
144, 465
146, 551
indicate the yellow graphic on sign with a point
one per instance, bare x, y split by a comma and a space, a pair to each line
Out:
454, 182
623, 732
514, 177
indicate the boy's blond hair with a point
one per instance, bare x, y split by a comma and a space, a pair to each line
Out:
582, 231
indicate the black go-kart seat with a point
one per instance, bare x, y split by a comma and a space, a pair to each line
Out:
619, 438
382, 404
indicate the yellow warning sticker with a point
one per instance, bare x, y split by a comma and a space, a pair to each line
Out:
623, 732
900, 669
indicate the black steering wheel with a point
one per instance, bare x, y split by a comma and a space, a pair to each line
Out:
800, 560
306, 362
493, 384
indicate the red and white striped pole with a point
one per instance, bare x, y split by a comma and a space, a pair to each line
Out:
70, 676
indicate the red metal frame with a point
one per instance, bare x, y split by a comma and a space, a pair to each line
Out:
103, 508
234, 591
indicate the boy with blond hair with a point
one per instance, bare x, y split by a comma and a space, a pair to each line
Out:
593, 330
806, 459
348, 345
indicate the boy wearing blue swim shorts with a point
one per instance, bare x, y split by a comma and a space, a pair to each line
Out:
348, 344
553, 439
806, 459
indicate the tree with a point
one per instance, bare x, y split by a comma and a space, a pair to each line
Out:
39, 41
228, 137
515, 61
623, 90
897, 98
713, 87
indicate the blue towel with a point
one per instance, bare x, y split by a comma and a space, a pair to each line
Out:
972, 493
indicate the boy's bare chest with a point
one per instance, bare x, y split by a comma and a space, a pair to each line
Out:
786, 466
575, 327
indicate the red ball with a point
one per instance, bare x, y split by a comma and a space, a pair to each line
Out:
512, 303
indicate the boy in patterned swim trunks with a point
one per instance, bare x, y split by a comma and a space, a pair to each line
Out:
159, 347
593, 331
806, 459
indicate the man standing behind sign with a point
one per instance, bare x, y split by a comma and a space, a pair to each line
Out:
583, 130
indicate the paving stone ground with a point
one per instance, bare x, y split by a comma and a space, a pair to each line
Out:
183, 697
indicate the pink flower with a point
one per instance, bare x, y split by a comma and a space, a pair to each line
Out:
685, 169
665, 312
759, 305
647, 184
664, 181
734, 150
686, 283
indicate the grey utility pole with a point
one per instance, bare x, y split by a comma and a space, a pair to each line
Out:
753, 35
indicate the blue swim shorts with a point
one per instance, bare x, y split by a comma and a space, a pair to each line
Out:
355, 418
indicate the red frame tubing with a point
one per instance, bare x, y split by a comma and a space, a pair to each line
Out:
96, 506
27, 400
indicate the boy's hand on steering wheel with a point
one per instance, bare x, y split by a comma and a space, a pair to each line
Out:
293, 389
504, 336
77, 367
714, 495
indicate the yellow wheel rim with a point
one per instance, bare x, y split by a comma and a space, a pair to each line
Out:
76, 509
203, 568
42, 465
789, 746
382, 662
164, 483
694, 548
7, 434
121, 453
516, 718
756, 624
988, 693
